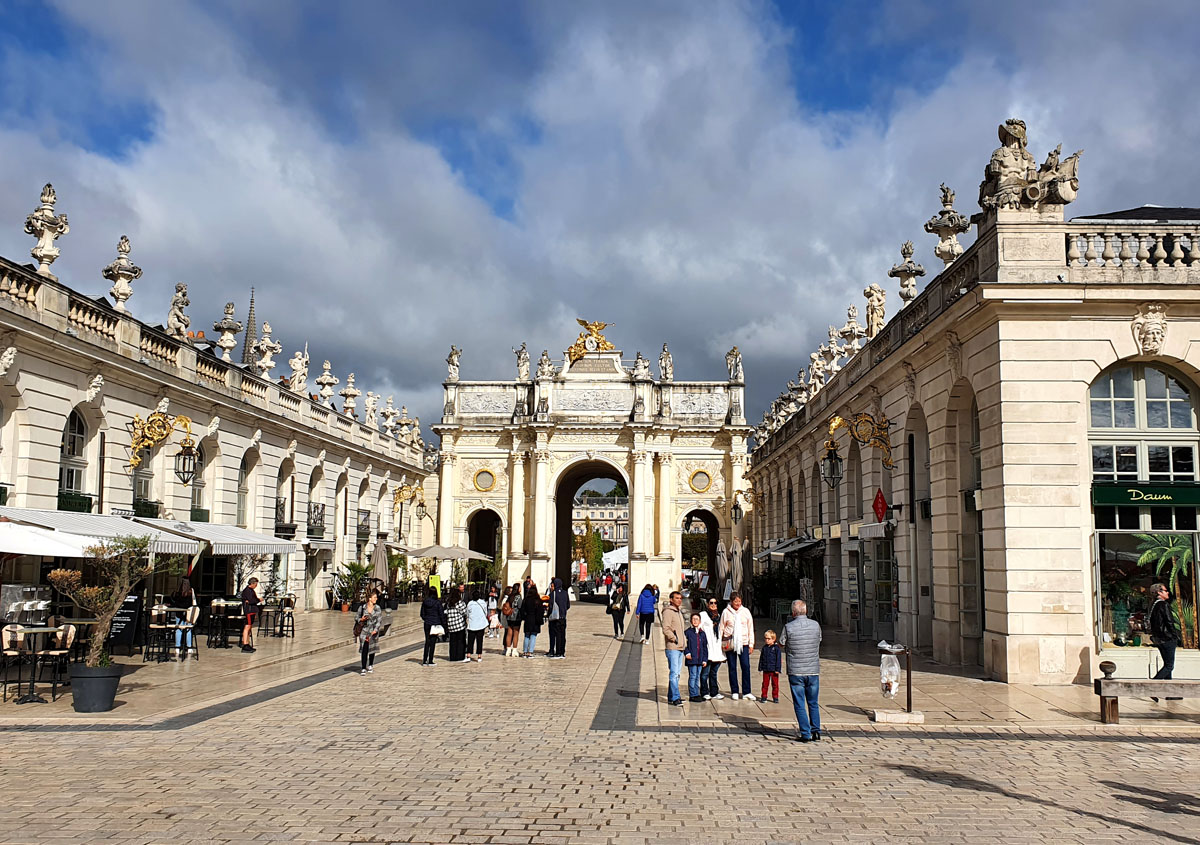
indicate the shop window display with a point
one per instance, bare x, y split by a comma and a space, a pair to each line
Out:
1129, 563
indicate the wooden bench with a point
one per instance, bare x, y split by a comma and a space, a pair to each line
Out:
1110, 689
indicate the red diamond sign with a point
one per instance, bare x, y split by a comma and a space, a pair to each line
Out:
880, 506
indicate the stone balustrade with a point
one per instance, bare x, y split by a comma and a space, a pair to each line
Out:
289, 404
159, 348
86, 316
1132, 246
254, 390
212, 370
19, 289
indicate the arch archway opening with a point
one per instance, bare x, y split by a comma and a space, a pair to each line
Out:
701, 533
484, 535
590, 493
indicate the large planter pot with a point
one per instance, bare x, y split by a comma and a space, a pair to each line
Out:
345, 607
93, 690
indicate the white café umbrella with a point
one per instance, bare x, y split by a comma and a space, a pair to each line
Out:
735, 566
722, 561
18, 539
449, 553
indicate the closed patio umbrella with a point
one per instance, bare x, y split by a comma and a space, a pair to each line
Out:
735, 565
379, 563
722, 561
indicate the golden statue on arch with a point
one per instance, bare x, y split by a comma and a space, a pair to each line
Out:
590, 340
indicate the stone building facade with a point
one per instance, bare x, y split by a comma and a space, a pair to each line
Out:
515, 453
78, 373
1040, 396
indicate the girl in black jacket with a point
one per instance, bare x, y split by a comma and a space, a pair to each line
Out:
431, 614
531, 614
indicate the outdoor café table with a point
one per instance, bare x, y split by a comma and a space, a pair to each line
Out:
33, 632
80, 641
221, 634
272, 617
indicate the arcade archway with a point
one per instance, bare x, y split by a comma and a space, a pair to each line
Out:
484, 535
569, 484
701, 523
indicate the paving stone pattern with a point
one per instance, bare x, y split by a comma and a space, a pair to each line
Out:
575, 751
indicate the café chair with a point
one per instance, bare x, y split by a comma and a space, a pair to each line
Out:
287, 621
14, 652
58, 655
188, 638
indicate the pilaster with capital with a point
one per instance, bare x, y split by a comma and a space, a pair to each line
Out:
638, 533
541, 495
516, 522
446, 484
666, 483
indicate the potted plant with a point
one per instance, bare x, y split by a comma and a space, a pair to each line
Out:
356, 576
341, 592
119, 564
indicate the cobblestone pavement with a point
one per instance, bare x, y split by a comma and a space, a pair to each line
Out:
524, 751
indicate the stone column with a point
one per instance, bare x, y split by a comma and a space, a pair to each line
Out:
666, 475
516, 520
638, 535
540, 495
446, 482
737, 466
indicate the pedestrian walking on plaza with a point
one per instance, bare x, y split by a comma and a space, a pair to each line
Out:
696, 656
802, 647
770, 663
675, 636
456, 626
434, 619
1165, 633
493, 605
737, 641
710, 621
477, 622
531, 614
250, 605
618, 606
368, 624
511, 611
647, 604
559, 602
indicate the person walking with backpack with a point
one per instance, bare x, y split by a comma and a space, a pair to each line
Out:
531, 614
434, 619
511, 611
477, 622
366, 631
647, 604
618, 606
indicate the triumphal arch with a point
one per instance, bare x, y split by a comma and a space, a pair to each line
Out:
513, 454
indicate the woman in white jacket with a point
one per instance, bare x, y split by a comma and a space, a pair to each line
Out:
737, 642
709, 620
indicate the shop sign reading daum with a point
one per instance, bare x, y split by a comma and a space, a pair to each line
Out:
1180, 495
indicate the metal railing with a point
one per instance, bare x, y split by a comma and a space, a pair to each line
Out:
316, 520
69, 500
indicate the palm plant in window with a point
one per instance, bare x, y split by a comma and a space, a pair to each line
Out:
1172, 556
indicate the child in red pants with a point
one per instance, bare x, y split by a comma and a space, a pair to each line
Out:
770, 662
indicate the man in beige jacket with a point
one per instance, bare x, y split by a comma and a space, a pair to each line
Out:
673, 628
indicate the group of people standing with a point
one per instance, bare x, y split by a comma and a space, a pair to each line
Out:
520, 615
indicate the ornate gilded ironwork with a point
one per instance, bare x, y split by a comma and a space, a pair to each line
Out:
867, 430
406, 493
590, 340
155, 429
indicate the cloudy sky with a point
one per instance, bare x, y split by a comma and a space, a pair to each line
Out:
396, 177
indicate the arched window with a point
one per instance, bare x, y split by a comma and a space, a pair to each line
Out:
143, 486
199, 514
72, 457
1142, 430
243, 492
791, 505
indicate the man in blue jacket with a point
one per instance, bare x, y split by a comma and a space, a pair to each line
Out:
559, 602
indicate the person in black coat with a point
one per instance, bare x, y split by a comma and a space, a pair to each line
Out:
531, 617
432, 614
559, 602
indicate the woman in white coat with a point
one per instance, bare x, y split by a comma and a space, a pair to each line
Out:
710, 619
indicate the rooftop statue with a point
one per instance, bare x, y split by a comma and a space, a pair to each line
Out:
325, 382
522, 362
876, 300
177, 321
452, 363
907, 272
1013, 180
733, 363
947, 224
641, 367
545, 368
299, 379
589, 340
121, 272
228, 327
266, 349
666, 364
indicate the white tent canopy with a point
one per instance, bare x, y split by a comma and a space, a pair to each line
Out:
224, 539
103, 526
18, 539
616, 557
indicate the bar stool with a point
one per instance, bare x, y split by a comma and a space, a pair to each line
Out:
14, 652
157, 635
188, 643
287, 619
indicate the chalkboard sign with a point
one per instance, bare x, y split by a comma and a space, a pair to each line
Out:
126, 625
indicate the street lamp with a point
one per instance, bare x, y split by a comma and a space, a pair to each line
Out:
185, 461
735, 511
831, 465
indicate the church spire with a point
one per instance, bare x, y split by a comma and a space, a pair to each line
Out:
251, 334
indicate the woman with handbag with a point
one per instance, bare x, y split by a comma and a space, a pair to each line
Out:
531, 614
618, 606
511, 611
435, 623
366, 631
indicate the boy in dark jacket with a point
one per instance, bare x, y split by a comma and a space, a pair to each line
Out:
696, 657
770, 662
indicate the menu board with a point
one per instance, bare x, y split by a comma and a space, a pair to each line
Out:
125, 624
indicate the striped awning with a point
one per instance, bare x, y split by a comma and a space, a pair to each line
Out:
224, 539
103, 526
